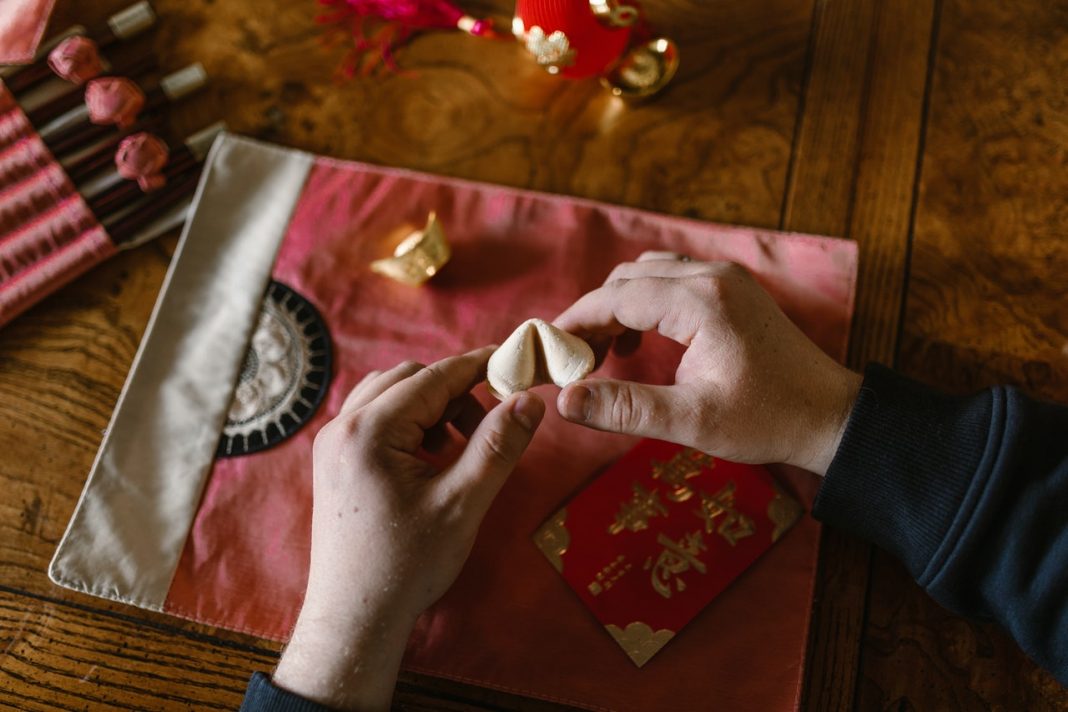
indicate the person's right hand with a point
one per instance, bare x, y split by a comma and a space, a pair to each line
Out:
750, 388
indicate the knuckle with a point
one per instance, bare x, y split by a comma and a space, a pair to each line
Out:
624, 412
496, 446
323, 438
712, 286
410, 366
342, 428
619, 272
734, 270
433, 383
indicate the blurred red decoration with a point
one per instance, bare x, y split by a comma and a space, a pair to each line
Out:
574, 38
377, 27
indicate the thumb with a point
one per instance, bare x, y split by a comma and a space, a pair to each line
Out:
495, 448
622, 407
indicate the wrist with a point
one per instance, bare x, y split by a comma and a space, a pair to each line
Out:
826, 426
344, 662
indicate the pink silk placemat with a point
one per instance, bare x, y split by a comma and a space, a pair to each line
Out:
511, 622
22, 23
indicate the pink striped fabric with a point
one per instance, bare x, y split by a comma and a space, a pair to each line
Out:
48, 235
22, 22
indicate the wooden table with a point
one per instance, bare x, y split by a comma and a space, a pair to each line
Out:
932, 132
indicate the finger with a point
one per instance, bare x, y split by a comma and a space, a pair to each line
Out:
464, 413
353, 395
658, 268
494, 450
422, 397
626, 407
641, 304
652, 255
375, 384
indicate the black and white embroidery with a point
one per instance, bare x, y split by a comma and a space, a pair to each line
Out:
284, 377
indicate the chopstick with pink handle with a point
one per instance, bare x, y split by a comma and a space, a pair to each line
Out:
190, 153
81, 164
121, 26
115, 102
76, 95
125, 229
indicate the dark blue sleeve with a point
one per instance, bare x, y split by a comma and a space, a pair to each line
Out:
971, 493
262, 696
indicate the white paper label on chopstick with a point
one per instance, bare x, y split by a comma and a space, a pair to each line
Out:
133, 20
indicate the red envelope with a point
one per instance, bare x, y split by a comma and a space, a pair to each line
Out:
654, 539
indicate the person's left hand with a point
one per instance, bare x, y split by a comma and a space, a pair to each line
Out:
390, 532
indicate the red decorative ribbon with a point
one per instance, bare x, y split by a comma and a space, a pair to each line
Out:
142, 157
378, 27
76, 59
114, 100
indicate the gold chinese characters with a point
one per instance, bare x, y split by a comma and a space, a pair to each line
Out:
635, 513
676, 558
685, 465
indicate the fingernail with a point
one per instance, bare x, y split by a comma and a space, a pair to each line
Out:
528, 411
577, 404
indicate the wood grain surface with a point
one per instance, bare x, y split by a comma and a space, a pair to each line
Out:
987, 303
853, 170
933, 132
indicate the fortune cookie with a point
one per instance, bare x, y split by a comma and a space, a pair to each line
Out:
536, 353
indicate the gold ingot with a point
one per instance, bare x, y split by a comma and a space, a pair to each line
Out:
644, 70
418, 257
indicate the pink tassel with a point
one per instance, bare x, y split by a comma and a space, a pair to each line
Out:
114, 100
142, 157
380, 26
76, 59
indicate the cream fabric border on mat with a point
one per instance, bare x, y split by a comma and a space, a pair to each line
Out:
128, 530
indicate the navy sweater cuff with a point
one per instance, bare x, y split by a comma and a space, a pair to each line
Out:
904, 466
263, 696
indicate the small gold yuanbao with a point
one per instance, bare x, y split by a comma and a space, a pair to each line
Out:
418, 257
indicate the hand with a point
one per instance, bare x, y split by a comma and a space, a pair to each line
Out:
390, 532
750, 387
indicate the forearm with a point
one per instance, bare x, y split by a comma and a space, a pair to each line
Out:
970, 493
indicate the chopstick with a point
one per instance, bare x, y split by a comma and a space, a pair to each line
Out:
121, 26
151, 207
191, 153
81, 130
76, 94
103, 154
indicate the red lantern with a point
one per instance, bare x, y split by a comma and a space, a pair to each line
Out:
568, 38
592, 38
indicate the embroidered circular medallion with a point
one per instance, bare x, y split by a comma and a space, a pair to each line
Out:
284, 377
